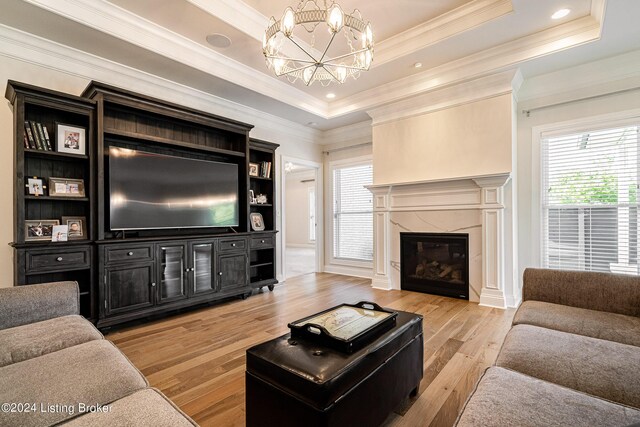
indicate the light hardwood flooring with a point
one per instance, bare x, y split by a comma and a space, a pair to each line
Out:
198, 358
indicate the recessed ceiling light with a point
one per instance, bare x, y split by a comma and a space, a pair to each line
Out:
417, 65
331, 95
561, 13
219, 40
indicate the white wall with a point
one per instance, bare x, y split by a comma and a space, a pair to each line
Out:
598, 82
71, 75
297, 207
466, 140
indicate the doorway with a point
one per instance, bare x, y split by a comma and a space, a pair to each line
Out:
300, 231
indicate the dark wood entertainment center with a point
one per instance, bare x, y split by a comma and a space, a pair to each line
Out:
130, 275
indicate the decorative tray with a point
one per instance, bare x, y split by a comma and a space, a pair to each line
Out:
347, 327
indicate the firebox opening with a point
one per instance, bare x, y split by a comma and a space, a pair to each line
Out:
435, 263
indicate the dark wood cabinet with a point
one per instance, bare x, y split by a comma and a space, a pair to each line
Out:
203, 273
129, 288
127, 275
262, 255
172, 272
36, 260
232, 271
181, 273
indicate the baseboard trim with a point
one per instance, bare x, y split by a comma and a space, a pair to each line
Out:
365, 273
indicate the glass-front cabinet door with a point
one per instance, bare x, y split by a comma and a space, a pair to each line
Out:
172, 273
203, 274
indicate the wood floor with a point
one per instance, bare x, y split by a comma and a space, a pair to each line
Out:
198, 358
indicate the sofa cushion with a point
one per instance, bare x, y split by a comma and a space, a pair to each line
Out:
95, 372
33, 340
21, 305
601, 368
146, 407
506, 398
591, 323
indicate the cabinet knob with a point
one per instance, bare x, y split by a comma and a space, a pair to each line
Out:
233, 245
59, 259
153, 284
220, 274
130, 253
262, 241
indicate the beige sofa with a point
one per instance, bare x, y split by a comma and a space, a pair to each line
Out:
572, 356
56, 367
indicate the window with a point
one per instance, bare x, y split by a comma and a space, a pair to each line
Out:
590, 200
312, 214
352, 212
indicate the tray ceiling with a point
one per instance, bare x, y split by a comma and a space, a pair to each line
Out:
455, 40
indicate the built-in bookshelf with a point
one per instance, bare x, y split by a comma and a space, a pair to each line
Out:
262, 171
53, 185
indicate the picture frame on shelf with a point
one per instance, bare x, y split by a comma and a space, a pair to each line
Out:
60, 233
71, 139
254, 169
77, 227
257, 222
66, 187
252, 197
39, 229
35, 186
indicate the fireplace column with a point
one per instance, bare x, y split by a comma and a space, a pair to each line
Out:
381, 275
493, 241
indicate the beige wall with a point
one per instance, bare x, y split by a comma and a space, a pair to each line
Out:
69, 82
467, 140
297, 208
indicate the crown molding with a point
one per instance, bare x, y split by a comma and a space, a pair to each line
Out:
506, 82
44, 53
499, 58
613, 71
122, 24
457, 21
237, 14
357, 133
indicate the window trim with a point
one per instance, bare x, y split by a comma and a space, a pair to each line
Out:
333, 165
312, 228
538, 134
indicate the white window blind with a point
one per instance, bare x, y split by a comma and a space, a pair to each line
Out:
590, 200
352, 213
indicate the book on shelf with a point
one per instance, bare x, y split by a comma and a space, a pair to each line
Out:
36, 136
29, 135
45, 145
265, 169
26, 141
46, 137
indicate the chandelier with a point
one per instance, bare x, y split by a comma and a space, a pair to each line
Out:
307, 44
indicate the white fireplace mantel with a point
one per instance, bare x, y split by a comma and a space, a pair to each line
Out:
482, 193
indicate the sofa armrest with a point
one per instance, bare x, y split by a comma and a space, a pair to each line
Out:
612, 293
22, 305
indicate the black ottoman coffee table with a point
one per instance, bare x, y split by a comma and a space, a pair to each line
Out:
296, 382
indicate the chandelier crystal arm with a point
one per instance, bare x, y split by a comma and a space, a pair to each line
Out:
303, 49
295, 70
346, 55
304, 61
326, 49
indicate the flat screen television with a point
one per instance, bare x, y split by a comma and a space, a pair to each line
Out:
155, 191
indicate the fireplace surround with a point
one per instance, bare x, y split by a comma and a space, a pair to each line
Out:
435, 263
